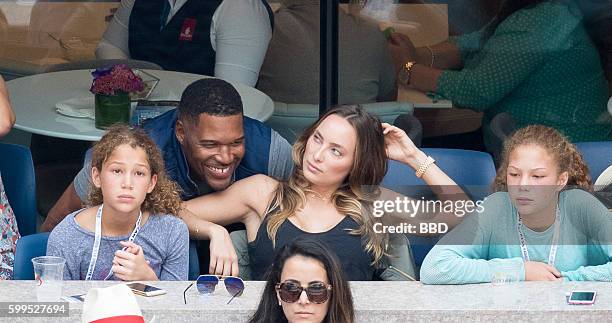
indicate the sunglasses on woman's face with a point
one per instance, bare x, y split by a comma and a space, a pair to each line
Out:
317, 292
206, 285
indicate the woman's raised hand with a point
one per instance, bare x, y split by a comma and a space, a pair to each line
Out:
400, 147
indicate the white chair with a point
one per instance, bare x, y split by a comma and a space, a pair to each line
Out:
604, 179
603, 187
290, 119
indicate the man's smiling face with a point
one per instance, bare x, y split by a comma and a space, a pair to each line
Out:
213, 147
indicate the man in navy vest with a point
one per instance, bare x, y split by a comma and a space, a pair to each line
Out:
207, 144
224, 38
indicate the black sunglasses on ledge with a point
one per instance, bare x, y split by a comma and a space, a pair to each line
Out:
317, 292
206, 285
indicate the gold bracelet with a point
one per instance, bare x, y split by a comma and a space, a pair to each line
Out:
433, 57
423, 167
405, 73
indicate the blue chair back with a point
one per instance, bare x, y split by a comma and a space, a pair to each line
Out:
598, 156
17, 171
28, 247
194, 262
474, 171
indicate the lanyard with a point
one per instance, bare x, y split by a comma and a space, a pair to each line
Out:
553, 248
97, 238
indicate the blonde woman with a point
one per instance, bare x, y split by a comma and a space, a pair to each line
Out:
337, 162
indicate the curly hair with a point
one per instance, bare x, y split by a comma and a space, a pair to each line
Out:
564, 153
164, 199
356, 194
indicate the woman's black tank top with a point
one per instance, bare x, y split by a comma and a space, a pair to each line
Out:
354, 260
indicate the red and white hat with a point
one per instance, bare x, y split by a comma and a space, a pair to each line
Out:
111, 304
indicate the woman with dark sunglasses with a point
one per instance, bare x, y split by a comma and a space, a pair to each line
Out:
305, 284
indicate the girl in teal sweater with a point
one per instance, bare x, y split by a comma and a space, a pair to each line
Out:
542, 220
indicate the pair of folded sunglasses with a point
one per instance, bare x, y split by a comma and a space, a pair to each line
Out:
206, 285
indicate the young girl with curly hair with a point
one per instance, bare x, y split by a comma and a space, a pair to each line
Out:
129, 231
543, 221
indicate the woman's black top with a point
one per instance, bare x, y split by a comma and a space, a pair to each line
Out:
349, 248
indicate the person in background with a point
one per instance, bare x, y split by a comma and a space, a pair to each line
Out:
543, 220
339, 162
535, 61
129, 231
305, 284
224, 38
9, 233
7, 116
290, 71
207, 143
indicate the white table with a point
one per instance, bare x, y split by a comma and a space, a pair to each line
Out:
34, 97
387, 302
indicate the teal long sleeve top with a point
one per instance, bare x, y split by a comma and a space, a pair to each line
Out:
487, 242
540, 66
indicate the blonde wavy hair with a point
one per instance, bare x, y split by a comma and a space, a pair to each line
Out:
356, 194
564, 153
164, 199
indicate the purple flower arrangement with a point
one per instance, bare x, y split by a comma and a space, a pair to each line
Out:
115, 80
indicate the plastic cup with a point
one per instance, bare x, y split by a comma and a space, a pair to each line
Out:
505, 274
49, 275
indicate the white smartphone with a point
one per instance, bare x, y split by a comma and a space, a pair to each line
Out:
145, 290
582, 297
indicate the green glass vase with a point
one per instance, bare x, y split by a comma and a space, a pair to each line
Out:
111, 109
